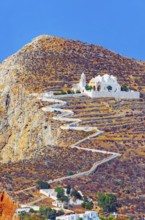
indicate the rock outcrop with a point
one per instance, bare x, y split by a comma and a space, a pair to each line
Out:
49, 63
7, 207
23, 127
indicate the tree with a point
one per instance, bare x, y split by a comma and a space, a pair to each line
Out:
32, 210
42, 185
22, 215
108, 202
48, 213
52, 214
68, 189
60, 192
76, 194
64, 199
87, 205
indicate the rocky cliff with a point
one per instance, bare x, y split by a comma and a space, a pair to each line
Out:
24, 128
49, 63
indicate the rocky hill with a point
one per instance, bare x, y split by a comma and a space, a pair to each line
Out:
49, 63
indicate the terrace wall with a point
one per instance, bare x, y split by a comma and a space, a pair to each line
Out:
121, 94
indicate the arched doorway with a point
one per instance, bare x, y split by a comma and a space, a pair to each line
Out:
109, 88
98, 88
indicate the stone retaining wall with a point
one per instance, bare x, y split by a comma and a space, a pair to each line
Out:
119, 95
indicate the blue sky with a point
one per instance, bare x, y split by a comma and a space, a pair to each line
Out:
118, 25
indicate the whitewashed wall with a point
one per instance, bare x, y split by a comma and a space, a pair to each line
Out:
120, 94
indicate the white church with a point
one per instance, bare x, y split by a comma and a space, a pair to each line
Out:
104, 86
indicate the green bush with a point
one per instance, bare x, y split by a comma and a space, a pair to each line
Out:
60, 192
56, 93
124, 88
48, 213
64, 199
108, 202
63, 92
87, 87
70, 173
69, 91
32, 210
42, 185
87, 205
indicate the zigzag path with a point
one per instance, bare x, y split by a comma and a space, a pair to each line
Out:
73, 125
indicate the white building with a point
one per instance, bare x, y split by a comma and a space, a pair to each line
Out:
58, 204
75, 202
104, 86
22, 210
105, 83
49, 193
89, 215
81, 85
82, 82
34, 207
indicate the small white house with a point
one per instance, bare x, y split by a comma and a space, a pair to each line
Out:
89, 215
49, 193
61, 205
75, 202
34, 207
58, 204
22, 210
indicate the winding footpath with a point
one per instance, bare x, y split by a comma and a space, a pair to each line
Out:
73, 124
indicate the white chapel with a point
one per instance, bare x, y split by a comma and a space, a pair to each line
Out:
103, 86
105, 83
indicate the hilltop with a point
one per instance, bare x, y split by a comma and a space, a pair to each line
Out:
48, 62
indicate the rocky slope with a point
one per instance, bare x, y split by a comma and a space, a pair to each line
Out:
49, 63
